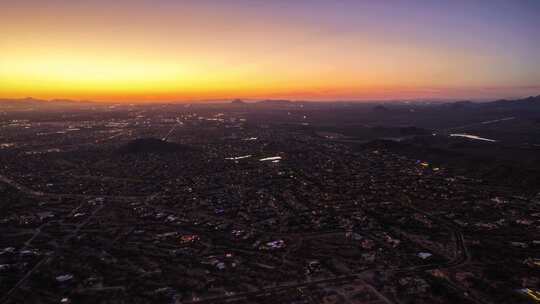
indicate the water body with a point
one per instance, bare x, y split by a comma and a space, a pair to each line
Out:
497, 120
238, 157
473, 137
273, 158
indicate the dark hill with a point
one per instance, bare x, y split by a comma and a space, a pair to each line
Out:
529, 103
498, 165
413, 131
275, 102
238, 102
152, 145
380, 109
460, 105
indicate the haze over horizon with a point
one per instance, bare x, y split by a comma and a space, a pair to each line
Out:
270, 151
311, 50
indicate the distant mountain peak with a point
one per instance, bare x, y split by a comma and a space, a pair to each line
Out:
380, 109
238, 101
275, 101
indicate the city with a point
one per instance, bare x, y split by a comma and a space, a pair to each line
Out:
248, 203
270, 152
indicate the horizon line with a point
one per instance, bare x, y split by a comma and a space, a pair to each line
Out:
250, 100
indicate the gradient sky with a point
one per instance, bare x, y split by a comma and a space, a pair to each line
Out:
131, 50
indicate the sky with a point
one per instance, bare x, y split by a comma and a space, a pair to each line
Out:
174, 50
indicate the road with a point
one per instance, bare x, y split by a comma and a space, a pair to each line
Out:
47, 259
178, 123
20, 187
462, 255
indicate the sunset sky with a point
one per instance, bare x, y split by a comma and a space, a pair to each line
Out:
168, 50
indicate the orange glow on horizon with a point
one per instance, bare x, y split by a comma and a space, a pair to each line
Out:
140, 51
